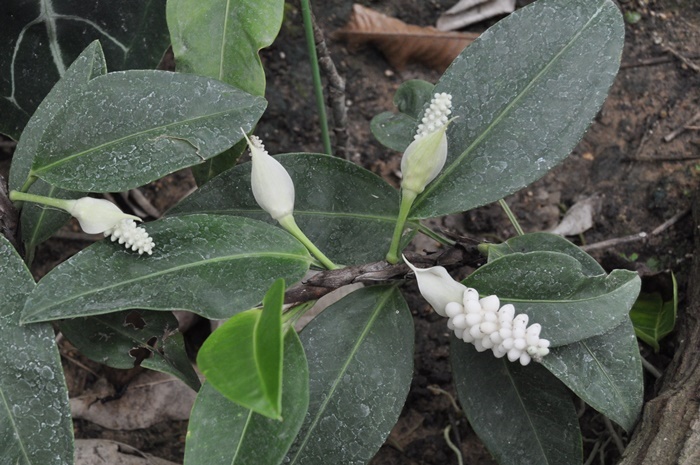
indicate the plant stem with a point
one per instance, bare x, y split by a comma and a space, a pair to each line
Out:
511, 217
17, 196
316, 74
433, 235
407, 198
28, 183
288, 223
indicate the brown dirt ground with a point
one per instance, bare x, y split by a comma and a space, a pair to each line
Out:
643, 181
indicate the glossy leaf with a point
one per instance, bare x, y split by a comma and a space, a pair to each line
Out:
142, 126
360, 355
243, 358
396, 130
121, 340
605, 371
39, 39
35, 422
524, 415
212, 265
348, 212
654, 315
222, 432
552, 289
524, 93
545, 242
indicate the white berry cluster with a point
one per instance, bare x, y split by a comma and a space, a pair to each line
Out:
436, 115
481, 322
132, 236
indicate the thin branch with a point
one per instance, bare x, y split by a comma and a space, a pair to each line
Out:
672, 135
684, 59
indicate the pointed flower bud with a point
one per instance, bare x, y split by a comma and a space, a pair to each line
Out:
437, 287
426, 155
273, 188
96, 215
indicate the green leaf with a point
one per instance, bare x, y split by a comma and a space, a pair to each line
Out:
347, 211
143, 125
545, 242
524, 415
221, 38
243, 358
38, 39
524, 93
605, 371
213, 167
212, 265
35, 422
90, 64
221, 432
360, 354
121, 340
654, 316
396, 130
552, 289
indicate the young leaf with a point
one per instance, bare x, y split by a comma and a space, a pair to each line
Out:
39, 39
396, 130
545, 242
605, 371
360, 354
222, 432
347, 211
654, 316
143, 125
35, 423
524, 93
120, 340
243, 358
524, 415
212, 265
552, 289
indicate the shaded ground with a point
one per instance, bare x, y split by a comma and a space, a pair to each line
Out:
643, 180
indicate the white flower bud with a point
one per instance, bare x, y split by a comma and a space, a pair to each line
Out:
487, 343
132, 236
453, 309
490, 303
458, 332
467, 337
473, 319
471, 295
514, 354
525, 359
437, 287
519, 344
508, 343
272, 186
460, 321
472, 306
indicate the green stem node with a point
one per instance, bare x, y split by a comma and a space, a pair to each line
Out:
407, 198
288, 223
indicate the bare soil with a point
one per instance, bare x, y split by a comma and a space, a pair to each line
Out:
642, 179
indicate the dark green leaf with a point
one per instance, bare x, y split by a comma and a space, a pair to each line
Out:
524, 415
605, 371
117, 339
396, 130
524, 93
213, 167
212, 265
243, 358
360, 354
142, 126
224, 433
348, 212
542, 241
39, 39
552, 289
654, 314
35, 423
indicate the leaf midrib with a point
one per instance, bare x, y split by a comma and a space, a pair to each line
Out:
453, 166
568, 301
54, 304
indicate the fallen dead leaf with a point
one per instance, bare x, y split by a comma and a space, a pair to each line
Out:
579, 217
105, 452
150, 398
403, 43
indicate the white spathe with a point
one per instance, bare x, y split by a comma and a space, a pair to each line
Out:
272, 186
97, 215
437, 287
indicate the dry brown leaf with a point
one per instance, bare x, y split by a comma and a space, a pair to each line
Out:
402, 43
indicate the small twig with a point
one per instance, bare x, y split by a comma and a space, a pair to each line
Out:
458, 453
684, 59
652, 62
437, 390
144, 203
653, 371
79, 364
336, 92
592, 455
669, 222
616, 438
672, 135
613, 242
